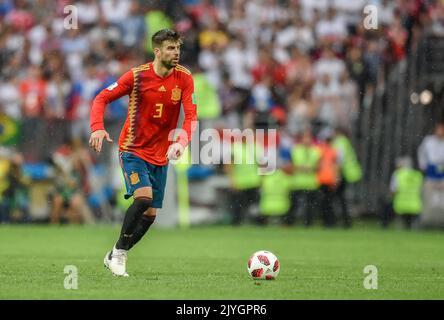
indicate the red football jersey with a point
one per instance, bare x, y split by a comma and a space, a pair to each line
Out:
153, 110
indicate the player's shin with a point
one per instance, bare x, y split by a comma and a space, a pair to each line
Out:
142, 228
130, 222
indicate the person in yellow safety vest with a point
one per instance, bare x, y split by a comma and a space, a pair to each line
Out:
406, 185
274, 196
206, 97
304, 162
328, 176
245, 179
350, 171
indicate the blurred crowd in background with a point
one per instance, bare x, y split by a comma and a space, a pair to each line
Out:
305, 68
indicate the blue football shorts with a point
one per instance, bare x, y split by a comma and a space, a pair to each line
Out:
139, 173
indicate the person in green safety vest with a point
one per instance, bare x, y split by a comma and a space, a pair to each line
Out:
304, 159
350, 171
406, 186
245, 179
206, 95
209, 111
274, 196
155, 20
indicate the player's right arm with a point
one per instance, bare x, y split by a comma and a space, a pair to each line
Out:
118, 89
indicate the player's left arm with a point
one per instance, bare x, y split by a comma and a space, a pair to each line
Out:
190, 110
189, 123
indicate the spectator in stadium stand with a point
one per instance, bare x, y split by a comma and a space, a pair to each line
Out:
233, 102
204, 12
397, 37
326, 97
329, 64
299, 69
348, 108
33, 90
431, 155
436, 13
301, 110
358, 70
431, 163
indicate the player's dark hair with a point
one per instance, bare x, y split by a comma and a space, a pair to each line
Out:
163, 35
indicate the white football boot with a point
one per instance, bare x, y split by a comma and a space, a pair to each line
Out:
107, 259
117, 265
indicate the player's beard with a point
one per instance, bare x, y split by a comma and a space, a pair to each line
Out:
169, 64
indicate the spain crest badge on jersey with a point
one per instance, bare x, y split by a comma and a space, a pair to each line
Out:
134, 177
176, 94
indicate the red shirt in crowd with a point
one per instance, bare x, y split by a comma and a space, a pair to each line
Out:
33, 92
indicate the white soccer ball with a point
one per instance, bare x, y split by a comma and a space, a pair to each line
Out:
263, 265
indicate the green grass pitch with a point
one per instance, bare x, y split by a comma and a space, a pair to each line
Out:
210, 263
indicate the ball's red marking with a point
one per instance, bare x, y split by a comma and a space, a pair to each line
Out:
264, 260
257, 273
276, 265
249, 262
269, 277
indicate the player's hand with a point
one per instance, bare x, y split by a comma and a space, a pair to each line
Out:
96, 139
175, 151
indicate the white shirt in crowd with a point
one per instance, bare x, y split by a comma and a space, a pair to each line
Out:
239, 61
88, 12
327, 95
331, 28
355, 6
210, 62
10, 99
37, 35
302, 37
308, 6
431, 151
385, 11
334, 67
115, 11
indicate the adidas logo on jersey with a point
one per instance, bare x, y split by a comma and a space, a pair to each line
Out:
162, 88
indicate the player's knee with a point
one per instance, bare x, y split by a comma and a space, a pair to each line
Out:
143, 203
151, 212
146, 192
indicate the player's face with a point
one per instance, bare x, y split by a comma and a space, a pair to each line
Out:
439, 131
169, 54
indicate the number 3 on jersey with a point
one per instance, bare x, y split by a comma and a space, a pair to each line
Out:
158, 110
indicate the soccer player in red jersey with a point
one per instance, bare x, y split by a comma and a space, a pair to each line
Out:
156, 91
